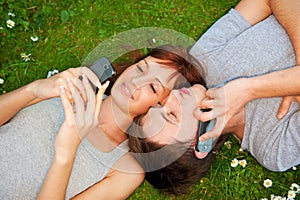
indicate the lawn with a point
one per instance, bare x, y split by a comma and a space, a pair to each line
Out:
55, 35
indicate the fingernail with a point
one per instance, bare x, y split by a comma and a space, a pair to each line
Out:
62, 89
105, 85
279, 115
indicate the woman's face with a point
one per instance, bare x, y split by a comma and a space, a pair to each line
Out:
175, 120
142, 85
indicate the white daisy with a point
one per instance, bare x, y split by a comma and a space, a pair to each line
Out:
25, 57
10, 23
243, 163
268, 183
291, 194
1, 81
234, 163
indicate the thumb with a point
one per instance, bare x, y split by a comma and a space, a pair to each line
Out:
284, 107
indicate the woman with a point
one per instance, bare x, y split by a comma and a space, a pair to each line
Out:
90, 153
247, 42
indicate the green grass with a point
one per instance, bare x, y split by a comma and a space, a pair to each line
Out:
69, 30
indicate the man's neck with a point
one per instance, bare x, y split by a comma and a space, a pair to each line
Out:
236, 125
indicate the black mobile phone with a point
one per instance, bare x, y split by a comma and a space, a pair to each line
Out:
104, 69
203, 146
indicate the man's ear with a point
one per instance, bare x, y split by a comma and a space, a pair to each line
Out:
200, 155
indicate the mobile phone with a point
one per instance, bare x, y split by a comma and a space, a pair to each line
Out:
104, 70
206, 145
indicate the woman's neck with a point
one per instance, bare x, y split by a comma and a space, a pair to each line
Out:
113, 124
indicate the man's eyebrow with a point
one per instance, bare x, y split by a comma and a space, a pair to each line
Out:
163, 114
156, 79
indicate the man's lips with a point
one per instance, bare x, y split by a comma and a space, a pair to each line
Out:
185, 91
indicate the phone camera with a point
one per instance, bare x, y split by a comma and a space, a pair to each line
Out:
105, 67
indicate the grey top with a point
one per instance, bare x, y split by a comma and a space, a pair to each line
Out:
26, 153
232, 48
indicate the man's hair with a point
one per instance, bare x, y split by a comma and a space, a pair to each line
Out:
180, 169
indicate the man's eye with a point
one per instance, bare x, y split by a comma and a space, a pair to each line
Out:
172, 116
139, 68
153, 88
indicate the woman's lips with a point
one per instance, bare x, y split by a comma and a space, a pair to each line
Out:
126, 91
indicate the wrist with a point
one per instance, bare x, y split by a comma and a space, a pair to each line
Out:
63, 161
30, 90
64, 156
246, 89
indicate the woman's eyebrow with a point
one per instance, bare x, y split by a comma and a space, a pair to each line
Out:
147, 65
160, 83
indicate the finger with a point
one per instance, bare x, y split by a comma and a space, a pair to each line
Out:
90, 103
100, 97
66, 103
284, 107
80, 86
206, 104
212, 93
213, 133
297, 99
91, 76
78, 102
205, 116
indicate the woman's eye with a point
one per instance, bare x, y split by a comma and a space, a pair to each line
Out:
139, 68
153, 88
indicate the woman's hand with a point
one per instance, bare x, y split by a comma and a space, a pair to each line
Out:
81, 116
48, 88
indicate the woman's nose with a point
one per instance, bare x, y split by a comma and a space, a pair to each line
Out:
140, 81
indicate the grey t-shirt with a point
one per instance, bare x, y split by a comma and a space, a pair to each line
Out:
232, 48
27, 149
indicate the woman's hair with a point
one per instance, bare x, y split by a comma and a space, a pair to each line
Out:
172, 177
175, 57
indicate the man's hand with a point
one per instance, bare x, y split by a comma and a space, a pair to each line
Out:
224, 102
285, 105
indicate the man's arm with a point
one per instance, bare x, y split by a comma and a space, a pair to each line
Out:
254, 11
230, 99
287, 14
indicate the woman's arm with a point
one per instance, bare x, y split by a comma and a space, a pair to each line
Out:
126, 175
40, 90
81, 118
